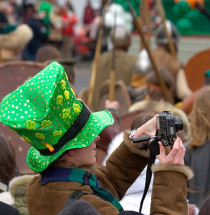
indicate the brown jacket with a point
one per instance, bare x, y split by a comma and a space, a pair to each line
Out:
124, 64
165, 60
169, 191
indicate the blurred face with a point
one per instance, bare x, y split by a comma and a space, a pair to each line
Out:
86, 156
9, 9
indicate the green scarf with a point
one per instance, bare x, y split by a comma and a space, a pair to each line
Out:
53, 174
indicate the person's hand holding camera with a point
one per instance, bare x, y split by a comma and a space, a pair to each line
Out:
147, 129
176, 155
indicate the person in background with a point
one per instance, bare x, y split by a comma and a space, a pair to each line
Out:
44, 10
3, 17
8, 209
12, 19
70, 6
124, 63
63, 134
13, 43
156, 101
17, 189
187, 103
94, 25
7, 169
56, 26
88, 17
17, 10
79, 207
35, 43
165, 60
70, 20
198, 149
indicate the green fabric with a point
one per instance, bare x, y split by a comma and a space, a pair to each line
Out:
43, 109
189, 21
133, 3
207, 73
8, 28
54, 174
45, 8
197, 22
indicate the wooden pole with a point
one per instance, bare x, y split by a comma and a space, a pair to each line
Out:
141, 20
202, 8
147, 22
163, 18
94, 68
95, 60
144, 20
160, 80
112, 71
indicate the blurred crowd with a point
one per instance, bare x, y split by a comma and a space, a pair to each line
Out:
80, 143
48, 22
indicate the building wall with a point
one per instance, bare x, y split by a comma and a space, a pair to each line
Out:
188, 46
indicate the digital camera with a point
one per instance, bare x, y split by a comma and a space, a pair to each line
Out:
167, 126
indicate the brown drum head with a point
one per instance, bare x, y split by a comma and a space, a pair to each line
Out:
196, 68
12, 75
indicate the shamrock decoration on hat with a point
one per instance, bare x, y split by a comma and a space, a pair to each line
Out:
46, 114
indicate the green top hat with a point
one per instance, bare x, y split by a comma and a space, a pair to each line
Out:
45, 113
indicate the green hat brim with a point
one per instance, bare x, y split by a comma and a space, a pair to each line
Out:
95, 124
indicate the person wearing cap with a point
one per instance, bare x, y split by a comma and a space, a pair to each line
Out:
63, 133
14, 42
124, 63
165, 60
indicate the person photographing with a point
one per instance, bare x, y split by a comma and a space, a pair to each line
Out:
63, 134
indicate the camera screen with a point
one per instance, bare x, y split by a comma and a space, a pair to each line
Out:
171, 130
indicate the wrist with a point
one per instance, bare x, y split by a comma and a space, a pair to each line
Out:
139, 143
133, 147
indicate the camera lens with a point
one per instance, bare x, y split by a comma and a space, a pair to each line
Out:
178, 124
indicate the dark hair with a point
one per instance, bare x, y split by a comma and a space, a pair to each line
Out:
168, 79
30, 7
7, 160
142, 118
79, 207
47, 52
